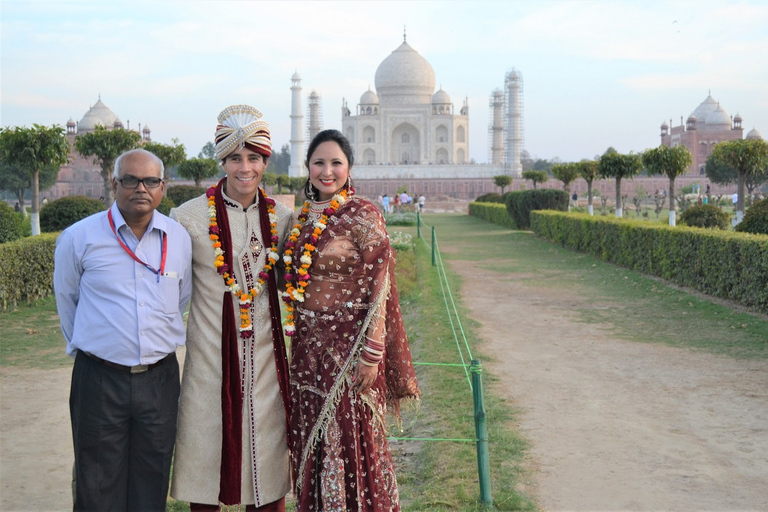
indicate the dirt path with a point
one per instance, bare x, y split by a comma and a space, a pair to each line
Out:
616, 425
613, 425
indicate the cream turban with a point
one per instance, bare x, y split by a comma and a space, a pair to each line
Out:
239, 127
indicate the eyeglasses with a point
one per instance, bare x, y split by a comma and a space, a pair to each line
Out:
129, 181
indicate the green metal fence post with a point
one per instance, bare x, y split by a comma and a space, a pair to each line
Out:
433, 247
481, 433
418, 224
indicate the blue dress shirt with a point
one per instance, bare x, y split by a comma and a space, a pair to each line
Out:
114, 307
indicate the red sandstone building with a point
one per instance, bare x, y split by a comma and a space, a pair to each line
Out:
82, 176
705, 127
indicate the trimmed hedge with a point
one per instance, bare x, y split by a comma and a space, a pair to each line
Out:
58, 215
11, 224
724, 264
756, 218
520, 204
492, 212
491, 197
180, 194
705, 216
26, 270
165, 205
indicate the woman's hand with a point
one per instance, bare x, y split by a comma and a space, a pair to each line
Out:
364, 377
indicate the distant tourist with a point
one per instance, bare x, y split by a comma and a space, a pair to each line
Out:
422, 200
385, 203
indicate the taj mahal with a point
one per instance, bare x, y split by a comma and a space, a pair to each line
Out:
407, 133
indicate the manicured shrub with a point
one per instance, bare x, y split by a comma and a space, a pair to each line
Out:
10, 224
520, 204
705, 216
180, 194
492, 212
491, 197
712, 261
26, 270
62, 213
756, 218
165, 205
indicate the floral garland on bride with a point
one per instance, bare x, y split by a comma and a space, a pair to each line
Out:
295, 292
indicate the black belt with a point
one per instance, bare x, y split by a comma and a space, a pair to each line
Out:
139, 368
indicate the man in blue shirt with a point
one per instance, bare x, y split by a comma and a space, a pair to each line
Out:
122, 280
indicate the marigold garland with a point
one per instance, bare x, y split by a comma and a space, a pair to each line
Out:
296, 285
246, 298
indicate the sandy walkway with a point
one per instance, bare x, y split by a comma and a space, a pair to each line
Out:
616, 425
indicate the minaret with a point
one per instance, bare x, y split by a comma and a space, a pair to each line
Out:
497, 127
315, 115
296, 168
514, 86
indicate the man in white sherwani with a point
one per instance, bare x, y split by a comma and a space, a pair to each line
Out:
231, 447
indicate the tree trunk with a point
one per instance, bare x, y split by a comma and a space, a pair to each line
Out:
589, 198
619, 211
197, 182
740, 203
106, 176
35, 203
672, 204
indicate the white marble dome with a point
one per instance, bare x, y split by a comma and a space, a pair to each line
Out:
707, 107
99, 114
441, 97
405, 73
719, 117
754, 135
369, 98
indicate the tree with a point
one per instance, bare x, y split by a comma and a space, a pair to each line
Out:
670, 161
567, 173
106, 145
18, 182
198, 169
502, 181
536, 177
749, 157
525, 160
618, 166
171, 155
32, 150
208, 151
280, 161
269, 179
588, 170
722, 174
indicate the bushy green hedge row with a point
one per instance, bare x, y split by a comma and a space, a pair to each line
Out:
58, 215
10, 223
26, 270
180, 194
492, 212
720, 263
521, 203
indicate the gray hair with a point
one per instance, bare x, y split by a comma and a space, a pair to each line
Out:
136, 151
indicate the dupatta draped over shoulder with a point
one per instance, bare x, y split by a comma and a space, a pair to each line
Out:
340, 455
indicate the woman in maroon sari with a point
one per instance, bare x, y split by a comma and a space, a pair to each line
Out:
350, 359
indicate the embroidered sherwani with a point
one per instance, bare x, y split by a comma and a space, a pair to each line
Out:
265, 473
341, 458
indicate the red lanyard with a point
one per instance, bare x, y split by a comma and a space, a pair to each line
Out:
163, 249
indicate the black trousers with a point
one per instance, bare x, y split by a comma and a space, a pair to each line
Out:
124, 429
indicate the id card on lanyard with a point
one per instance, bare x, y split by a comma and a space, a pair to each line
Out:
163, 249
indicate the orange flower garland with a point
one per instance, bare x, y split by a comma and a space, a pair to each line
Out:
296, 285
246, 298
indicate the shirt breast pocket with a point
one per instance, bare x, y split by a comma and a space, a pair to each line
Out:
169, 295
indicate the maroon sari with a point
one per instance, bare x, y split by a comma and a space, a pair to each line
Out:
339, 450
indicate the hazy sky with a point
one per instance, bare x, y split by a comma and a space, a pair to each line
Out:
596, 73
